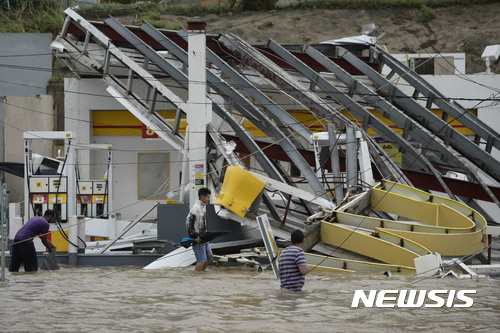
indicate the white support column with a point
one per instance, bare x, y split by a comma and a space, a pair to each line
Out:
317, 153
365, 166
334, 158
5, 237
80, 231
27, 175
73, 239
71, 182
110, 180
15, 219
199, 108
351, 157
112, 226
185, 169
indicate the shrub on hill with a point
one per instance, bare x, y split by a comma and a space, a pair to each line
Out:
258, 4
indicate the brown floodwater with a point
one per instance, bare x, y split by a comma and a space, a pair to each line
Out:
227, 299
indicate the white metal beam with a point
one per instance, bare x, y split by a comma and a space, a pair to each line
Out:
48, 135
307, 196
144, 119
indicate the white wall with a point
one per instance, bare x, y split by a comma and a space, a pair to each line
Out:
125, 171
25, 114
26, 63
84, 96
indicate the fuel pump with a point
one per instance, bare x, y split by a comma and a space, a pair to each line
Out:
84, 198
93, 198
54, 184
58, 197
47, 184
100, 199
39, 195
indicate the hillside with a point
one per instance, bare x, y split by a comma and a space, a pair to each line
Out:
453, 29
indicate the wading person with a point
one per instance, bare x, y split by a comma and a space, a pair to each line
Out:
23, 249
292, 264
196, 224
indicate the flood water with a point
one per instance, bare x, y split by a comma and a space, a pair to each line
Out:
227, 299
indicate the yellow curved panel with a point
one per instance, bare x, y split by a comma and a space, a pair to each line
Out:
446, 245
367, 222
403, 206
422, 211
437, 224
465, 229
239, 190
407, 243
451, 218
364, 243
348, 265
420, 195
330, 269
417, 194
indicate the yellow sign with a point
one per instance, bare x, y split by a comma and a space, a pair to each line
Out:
393, 152
61, 198
99, 199
121, 122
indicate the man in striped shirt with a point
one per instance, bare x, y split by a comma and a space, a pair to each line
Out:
292, 264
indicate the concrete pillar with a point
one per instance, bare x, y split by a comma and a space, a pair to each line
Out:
70, 171
199, 108
112, 226
365, 166
15, 219
334, 158
73, 239
110, 180
81, 233
351, 157
28, 158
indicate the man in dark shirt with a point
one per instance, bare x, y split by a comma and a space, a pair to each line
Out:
292, 264
196, 225
23, 249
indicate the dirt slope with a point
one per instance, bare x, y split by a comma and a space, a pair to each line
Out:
454, 29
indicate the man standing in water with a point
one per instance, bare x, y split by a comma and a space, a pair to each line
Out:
292, 264
23, 250
196, 224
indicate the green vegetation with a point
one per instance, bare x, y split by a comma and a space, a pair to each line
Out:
427, 15
387, 4
258, 4
175, 25
102, 10
268, 24
47, 15
125, 2
32, 16
153, 18
57, 78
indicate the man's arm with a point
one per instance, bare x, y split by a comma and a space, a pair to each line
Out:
47, 243
301, 262
304, 269
190, 227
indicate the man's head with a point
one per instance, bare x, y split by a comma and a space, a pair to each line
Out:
297, 237
204, 195
49, 215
